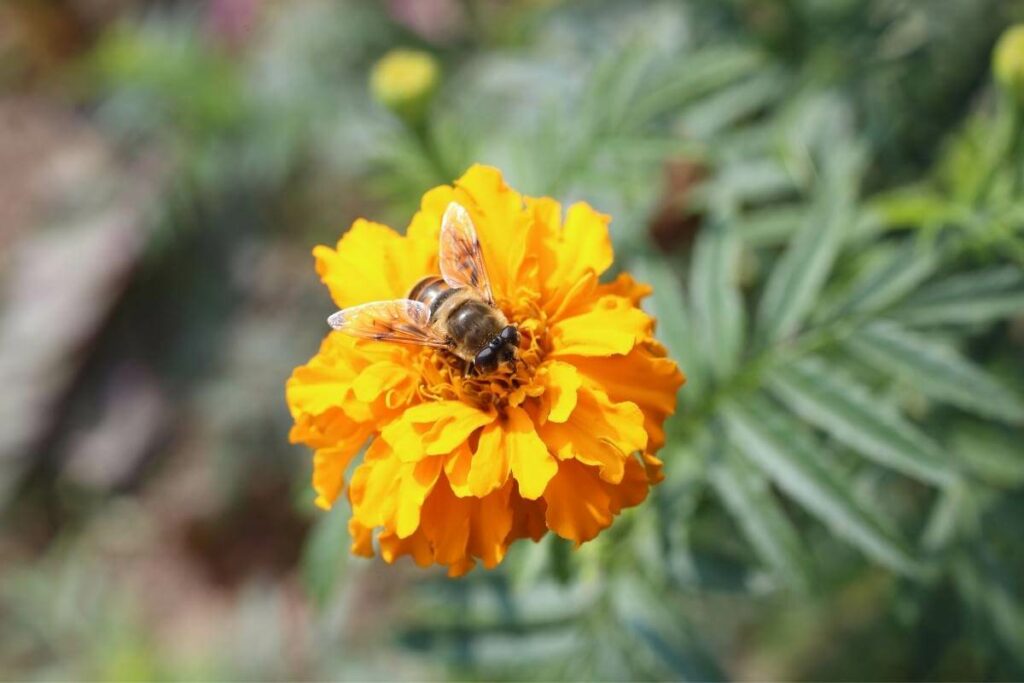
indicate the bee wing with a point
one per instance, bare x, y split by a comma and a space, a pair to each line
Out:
461, 259
401, 320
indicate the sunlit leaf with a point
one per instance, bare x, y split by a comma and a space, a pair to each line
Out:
840, 405
689, 78
775, 444
936, 370
653, 624
971, 298
991, 453
717, 307
800, 273
748, 497
325, 554
889, 279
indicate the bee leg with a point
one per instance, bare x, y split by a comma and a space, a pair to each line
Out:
469, 369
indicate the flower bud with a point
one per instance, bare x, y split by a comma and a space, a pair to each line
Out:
1008, 63
404, 80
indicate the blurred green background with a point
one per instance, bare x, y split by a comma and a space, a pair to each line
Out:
828, 196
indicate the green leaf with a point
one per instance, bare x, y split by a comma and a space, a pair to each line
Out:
732, 104
971, 298
776, 445
841, 406
325, 554
936, 370
717, 306
754, 181
748, 497
916, 206
885, 281
771, 226
693, 76
800, 274
988, 587
993, 454
663, 632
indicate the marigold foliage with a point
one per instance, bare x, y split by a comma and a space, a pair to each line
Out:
457, 467
1008, 62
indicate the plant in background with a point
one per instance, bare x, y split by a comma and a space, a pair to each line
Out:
1008, 63
404, 80
832, 387
459, 464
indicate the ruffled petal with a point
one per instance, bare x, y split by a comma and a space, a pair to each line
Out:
417, 480
498, 214
577, 504
372, 262
599, 433
457, 467
655, 395
580, 504
490, 524
612, 327
624, 285
446, 521
434, 428
490, 468
586, 245
368, 382
531, 463
561, 382
416, 546
375, 485
362, 538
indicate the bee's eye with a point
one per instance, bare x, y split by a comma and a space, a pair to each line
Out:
510, 335
486, 360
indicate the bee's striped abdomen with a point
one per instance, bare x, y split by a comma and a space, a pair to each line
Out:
432, 291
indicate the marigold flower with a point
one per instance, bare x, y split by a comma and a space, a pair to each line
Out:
458, 467
404, 80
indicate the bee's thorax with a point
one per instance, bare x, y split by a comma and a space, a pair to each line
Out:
468, 321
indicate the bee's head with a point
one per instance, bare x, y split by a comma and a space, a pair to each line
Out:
501, 349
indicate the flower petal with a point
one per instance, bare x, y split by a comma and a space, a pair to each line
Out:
362, 538
416, 546
656, 395
612, 327
490, 525
418, 480
600, 433
329, 465
578, 506
453, 422
586, 245
446, 520
375, 485
372, 262
457, 467
561, 381
490, 467
433, 428
532, 464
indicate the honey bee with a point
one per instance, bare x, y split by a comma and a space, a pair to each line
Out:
454, 311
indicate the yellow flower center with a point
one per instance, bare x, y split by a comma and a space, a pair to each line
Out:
444, 375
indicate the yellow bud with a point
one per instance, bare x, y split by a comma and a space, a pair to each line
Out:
404, 80
1008, 62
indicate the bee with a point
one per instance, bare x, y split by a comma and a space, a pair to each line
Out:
454, 311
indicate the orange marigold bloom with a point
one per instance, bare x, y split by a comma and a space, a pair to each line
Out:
458, 467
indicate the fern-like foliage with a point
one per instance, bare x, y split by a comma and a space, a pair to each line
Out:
852, 407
